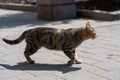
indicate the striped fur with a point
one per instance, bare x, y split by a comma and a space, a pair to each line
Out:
65, 40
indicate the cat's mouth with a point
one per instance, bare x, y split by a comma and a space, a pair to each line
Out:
94, 36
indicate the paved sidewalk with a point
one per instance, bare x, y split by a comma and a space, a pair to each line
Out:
101, 57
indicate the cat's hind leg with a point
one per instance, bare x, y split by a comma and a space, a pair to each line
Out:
29, 50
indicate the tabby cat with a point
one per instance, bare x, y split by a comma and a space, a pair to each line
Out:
65, 40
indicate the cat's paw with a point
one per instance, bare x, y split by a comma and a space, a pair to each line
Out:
78, 61
32, 62
70, 62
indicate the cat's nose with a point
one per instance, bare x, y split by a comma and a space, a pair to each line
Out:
94, 36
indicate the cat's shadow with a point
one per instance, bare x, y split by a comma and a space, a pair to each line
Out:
64, 68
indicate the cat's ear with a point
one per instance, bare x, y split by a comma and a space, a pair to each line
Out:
88, 25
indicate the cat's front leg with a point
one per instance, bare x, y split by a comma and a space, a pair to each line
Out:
76, 61
70, 54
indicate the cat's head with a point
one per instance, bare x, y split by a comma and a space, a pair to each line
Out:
90, 31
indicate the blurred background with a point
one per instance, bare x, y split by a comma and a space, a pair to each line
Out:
19, 1
107, 5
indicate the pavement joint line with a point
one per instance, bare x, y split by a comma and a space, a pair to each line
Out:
96, 66
18, 78
90, 58
110, 45
86, 52
2, 60
107, 25
60, 61
59, 55
58, 76
100, 76
116, 60
111, 49
31, 73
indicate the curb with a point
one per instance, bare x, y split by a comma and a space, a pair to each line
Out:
21, 7
99, 15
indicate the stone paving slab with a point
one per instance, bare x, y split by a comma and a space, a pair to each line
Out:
101, 57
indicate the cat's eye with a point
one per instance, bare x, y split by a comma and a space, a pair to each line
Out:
91, 29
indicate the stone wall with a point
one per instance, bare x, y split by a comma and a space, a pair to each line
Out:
106, 5
19, 1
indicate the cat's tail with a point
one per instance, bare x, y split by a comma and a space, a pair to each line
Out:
16, 41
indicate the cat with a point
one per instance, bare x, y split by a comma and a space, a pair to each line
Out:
66, 40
